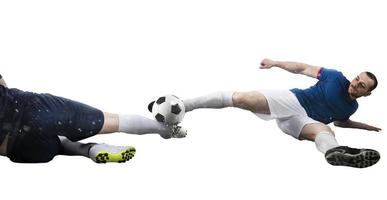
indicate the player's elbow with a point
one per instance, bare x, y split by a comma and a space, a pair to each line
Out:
2, 82
340, 124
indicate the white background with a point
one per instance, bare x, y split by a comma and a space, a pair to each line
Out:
120, 55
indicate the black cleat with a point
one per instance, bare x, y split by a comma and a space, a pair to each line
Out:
351, 157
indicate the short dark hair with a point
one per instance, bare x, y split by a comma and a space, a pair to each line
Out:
373, 77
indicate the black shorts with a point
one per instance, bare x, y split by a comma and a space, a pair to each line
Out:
42, 119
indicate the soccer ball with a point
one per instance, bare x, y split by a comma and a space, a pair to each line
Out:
167, 109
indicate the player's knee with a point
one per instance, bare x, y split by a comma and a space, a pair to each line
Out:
310, 131
312, 136
111, 123
327, 129
241, 100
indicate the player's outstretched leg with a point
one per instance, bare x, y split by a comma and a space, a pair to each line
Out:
136, 124
213, 100
253, 101
99, 153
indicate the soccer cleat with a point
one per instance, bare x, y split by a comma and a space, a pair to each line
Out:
178, 131
351, 157
175, 132
103, 153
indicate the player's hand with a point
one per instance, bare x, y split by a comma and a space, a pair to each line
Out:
267, 64
373, 128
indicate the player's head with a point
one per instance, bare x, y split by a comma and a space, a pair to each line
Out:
362, 85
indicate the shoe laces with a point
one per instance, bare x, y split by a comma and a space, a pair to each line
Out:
175, 130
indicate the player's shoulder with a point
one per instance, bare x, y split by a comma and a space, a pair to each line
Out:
328, 73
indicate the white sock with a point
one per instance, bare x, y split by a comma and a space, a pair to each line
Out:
214, 100
136, 124
325, 141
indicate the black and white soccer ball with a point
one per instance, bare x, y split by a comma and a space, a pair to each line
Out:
167, 109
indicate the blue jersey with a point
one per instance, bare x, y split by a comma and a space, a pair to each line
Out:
328, 100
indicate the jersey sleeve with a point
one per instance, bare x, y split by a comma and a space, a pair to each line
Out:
325, 74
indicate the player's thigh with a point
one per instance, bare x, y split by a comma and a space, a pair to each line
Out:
253, 101
310, 131
30, 147
52, 115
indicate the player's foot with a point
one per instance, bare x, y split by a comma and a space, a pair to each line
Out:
103, 153
175, 132
178, 131
351, 157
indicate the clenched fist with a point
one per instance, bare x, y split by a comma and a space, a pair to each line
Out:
267, 64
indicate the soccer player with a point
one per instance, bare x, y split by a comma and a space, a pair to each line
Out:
36, 127
305, 113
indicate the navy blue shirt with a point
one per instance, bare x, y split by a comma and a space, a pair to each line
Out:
328, 100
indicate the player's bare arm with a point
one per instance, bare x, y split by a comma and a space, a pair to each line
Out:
359, 125
293, 67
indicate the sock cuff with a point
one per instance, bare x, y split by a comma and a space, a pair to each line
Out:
227, 96
325, 141
88, 149
324, 133
322, 136
121, 121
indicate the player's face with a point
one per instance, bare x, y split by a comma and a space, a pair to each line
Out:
360, 85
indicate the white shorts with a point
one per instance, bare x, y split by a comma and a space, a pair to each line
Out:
284, 107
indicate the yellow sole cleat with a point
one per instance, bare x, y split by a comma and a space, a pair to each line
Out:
107, 153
